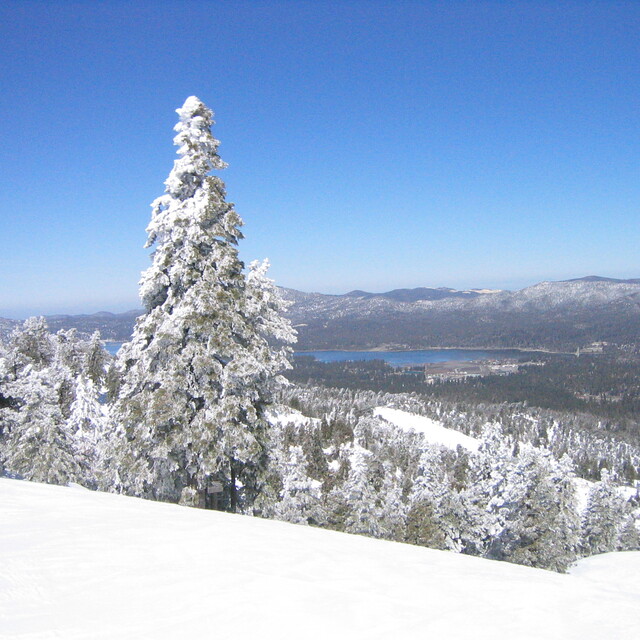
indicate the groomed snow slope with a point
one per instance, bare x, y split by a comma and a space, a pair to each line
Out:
434, 432
76, 564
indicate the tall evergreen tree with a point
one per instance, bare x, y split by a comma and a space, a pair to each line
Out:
628, 534
359, 495
196, 375
96, 360
424, 517
86, 424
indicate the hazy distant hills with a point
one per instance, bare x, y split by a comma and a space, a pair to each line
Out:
420, 293
116, 327
6, 327
549, 315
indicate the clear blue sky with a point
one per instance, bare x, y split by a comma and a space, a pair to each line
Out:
371, 145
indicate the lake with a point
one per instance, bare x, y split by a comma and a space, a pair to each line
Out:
112, 347
406, 358
396, 358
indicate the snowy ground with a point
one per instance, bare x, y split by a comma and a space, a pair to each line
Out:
434, 432
291, 416
81, 565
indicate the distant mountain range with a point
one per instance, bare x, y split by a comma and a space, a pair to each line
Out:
549, 315
114, 327
420, 293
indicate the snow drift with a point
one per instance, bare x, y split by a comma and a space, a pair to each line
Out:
78, 564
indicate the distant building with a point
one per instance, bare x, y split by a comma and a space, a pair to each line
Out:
594, 347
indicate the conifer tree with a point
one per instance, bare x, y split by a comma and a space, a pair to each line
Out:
438, 516
392, 511
96, 360
300, 498
487, 474
359, 496
40, 446
628, 534
603, 517
37, 387
423, 517
86, 425
31, 345
196, 375
534, 506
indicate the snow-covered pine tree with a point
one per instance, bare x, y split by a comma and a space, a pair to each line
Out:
37, 391
391, 509
196, 375
423, 517
86, 424
437, 515
40, 446
628, 534
300, 500
5, 402
603, 517
96, 360
31, 344
535, 509
359, 496
485, 482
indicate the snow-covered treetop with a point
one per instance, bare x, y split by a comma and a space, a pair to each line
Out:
192, 224
196, 146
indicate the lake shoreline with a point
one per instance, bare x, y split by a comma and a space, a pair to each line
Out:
113, 345
385, 350
420, 357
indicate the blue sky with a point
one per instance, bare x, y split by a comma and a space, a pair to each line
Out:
372, 145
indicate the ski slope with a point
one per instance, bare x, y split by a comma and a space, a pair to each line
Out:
434, 432
81, 565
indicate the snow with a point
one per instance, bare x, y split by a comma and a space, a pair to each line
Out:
582, 492
583, 487
434, 432
614, 571
485, 291
75, 564
284, 417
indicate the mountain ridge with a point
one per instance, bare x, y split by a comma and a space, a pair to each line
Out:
554, 315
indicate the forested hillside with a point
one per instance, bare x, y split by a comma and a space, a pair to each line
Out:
603, 388
560, 316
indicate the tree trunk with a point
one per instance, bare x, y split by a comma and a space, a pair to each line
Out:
233, 496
